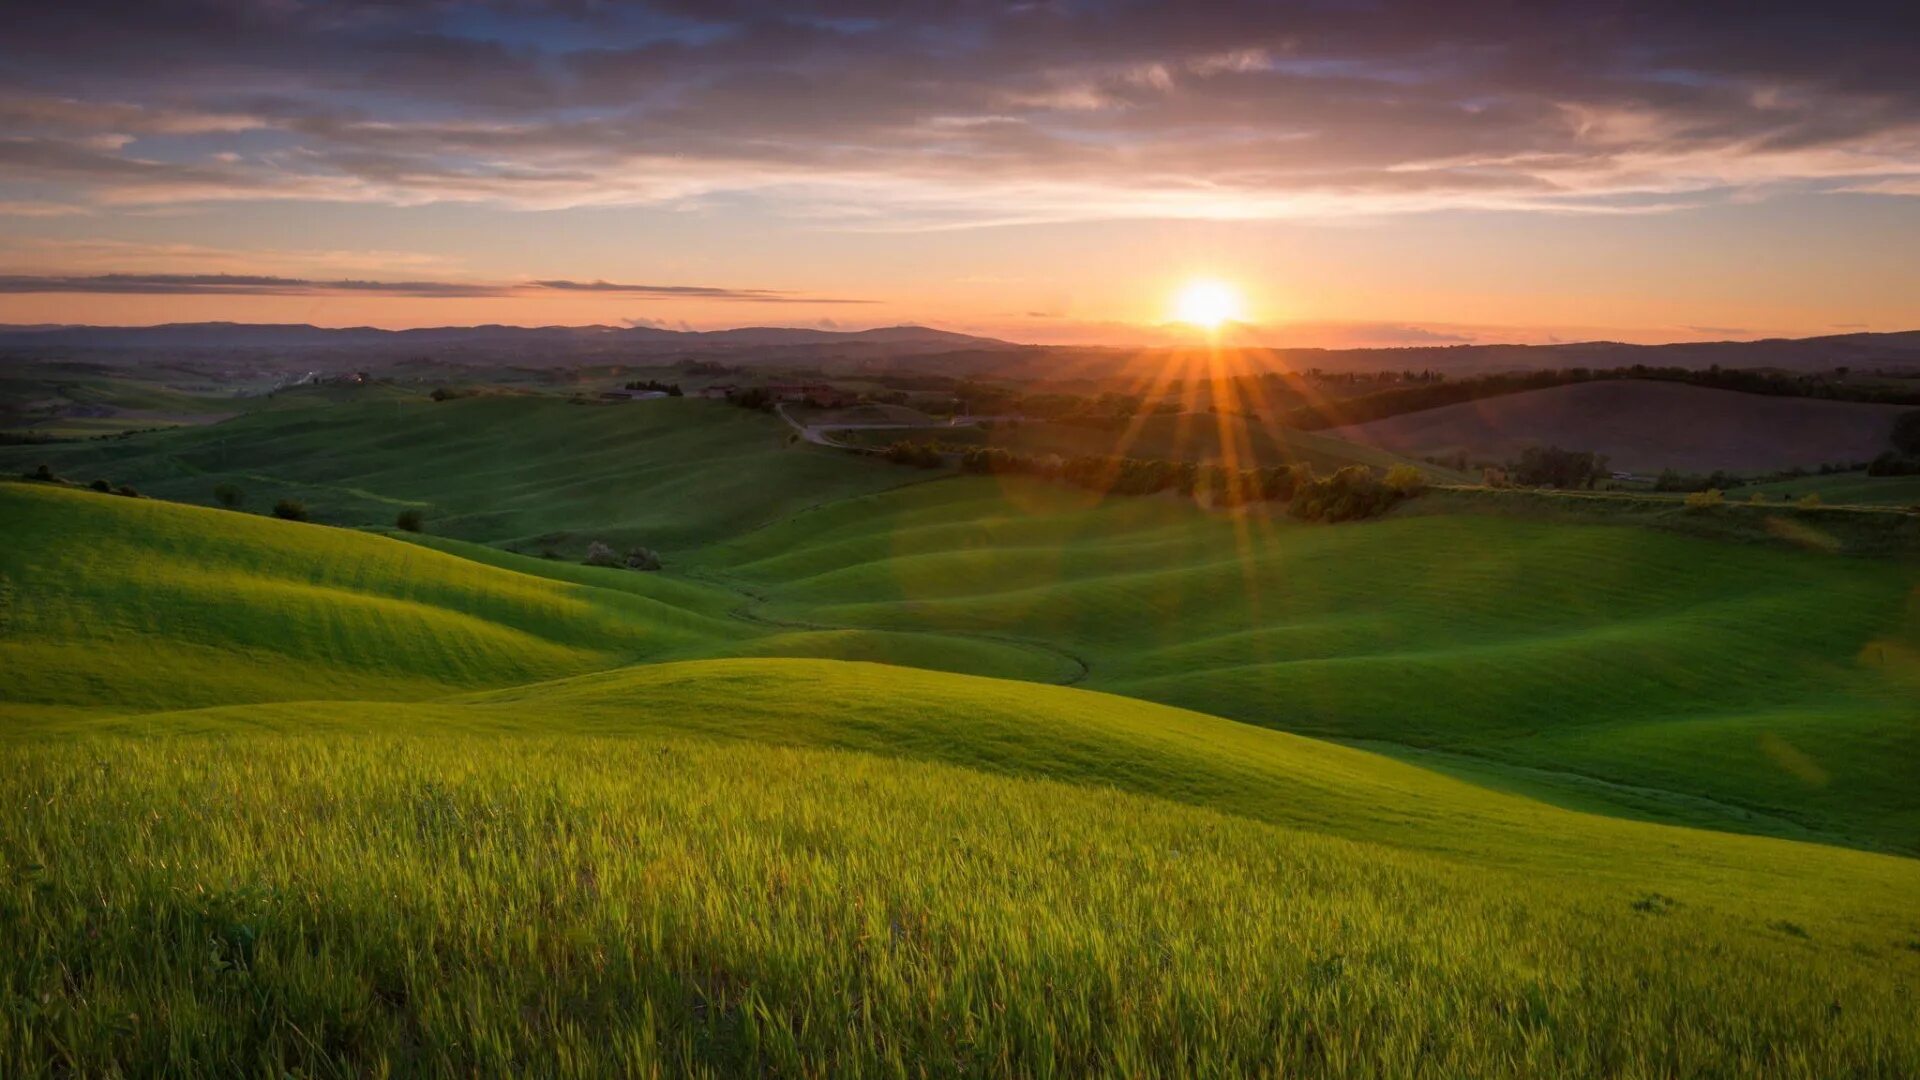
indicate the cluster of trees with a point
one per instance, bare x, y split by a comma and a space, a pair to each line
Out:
655, 385
1550, 466
753, 397
1353, 492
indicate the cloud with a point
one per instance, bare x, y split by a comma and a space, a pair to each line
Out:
693, 292
233, 285
271, 285
913, 116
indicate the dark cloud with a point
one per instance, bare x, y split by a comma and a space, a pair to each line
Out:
266, 285
916, 114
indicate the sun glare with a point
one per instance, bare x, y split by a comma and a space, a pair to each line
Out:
1207, 304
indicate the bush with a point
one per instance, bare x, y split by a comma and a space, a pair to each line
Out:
441, 393
290, 510
229, 495
1348, 495
1705, 500
45, 474
599, 554
642, 558
128, 490
1810, 501
919, 455
101, 485
1407, 480
410, 520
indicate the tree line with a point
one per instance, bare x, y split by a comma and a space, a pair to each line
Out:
1351, 493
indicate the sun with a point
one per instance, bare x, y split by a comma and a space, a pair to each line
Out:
1206, 304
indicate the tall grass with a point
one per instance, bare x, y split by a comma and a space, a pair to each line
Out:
365, 905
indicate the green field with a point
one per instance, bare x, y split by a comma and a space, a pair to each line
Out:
1841, 489
1449, 793
531, 472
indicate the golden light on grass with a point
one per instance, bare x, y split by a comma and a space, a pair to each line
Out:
1207, 304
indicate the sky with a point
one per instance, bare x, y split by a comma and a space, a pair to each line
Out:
1360, 173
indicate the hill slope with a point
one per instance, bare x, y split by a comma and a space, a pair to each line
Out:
1614, 654
533, 472
112, 605
744, 907
1644, 426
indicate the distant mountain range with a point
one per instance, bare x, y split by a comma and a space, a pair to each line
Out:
924, 350
223, 335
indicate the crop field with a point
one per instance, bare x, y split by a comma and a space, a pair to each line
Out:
896, 775
1178, 437
1644, 426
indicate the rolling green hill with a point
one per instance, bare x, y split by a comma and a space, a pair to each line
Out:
532, 472
319, 801
1774, 690
576, 878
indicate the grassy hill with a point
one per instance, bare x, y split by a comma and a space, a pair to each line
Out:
1842, 489
312, 800
1644, 426
533, 472
1029, 880
113, 605
1775, 690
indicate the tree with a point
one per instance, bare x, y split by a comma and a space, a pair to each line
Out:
229, 495
290, 510
643, 558
1550, 466
128, 490
101, 485
410, 520
599, 554
1906, 434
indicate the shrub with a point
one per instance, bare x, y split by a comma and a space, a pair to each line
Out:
643, 558
101, 485
290, 510
229, 495
1348, 495
919, 455
599, 554
410, 520
1407, 480
1810, 501
1705, 500
441, 393
45, 474
128, 490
